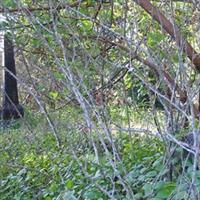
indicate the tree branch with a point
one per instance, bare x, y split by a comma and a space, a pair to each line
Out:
175, 1
148, 62
44, 8
172, 30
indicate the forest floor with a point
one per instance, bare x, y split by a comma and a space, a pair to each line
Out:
32, 166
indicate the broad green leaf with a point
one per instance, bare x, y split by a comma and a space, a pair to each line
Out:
53, 94
69, 184
164, 189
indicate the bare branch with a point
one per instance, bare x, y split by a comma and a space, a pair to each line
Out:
32, 9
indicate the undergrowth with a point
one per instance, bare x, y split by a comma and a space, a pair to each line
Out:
33, 167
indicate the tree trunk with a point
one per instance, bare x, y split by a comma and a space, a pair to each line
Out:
11, 108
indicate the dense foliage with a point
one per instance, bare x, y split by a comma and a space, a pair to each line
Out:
111, 92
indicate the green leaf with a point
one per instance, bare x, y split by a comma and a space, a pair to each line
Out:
86, 27
93, 194
36, 43
147, 189
139, 195
8, 3
69, 184
164, 189
48, 198
58, 75
53, 188
154, 38
128, 81
53, 94
152, 174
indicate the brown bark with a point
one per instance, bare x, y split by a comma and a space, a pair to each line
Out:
172, 30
